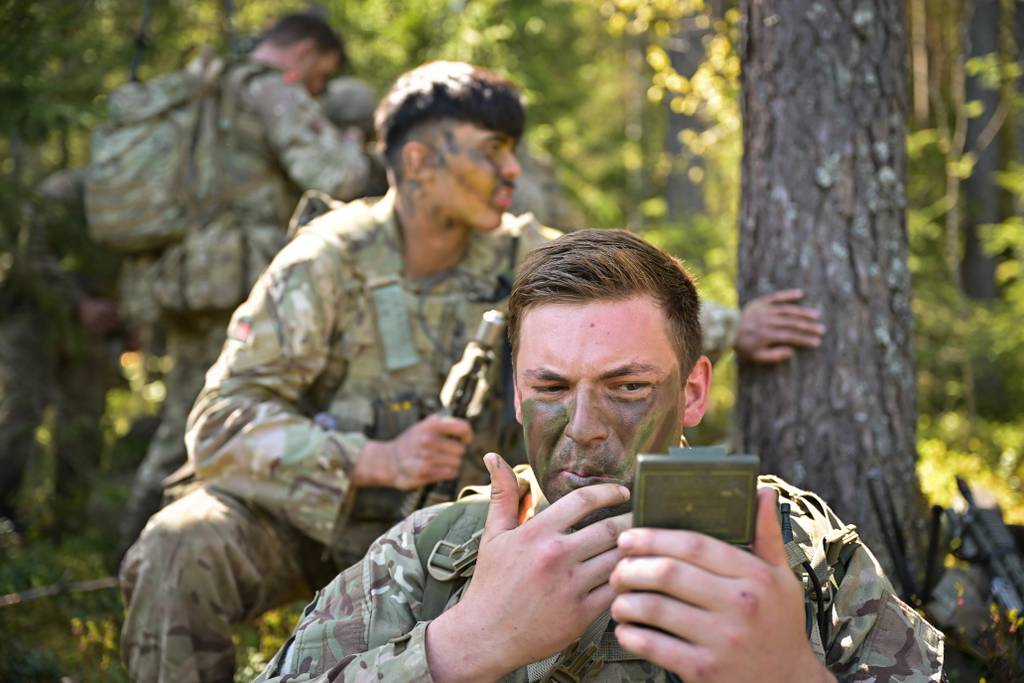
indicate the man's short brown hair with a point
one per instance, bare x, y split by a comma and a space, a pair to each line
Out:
609, 265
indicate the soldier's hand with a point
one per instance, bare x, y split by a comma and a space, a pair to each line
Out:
724, 614
535, 588
430, 450
772, 327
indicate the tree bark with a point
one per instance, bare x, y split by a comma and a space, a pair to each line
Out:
824, 99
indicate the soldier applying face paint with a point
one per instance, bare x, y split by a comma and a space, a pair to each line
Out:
540, 577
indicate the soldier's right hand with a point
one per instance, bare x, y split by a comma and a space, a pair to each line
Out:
430, 450
535, 587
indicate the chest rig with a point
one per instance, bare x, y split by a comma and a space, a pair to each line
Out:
389, 364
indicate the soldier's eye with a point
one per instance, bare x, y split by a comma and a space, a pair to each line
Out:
632, 389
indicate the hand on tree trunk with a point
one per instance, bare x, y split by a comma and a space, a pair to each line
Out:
773, 327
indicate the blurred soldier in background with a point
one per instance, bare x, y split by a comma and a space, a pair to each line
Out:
281, 144
768, 330
349, 103
60, 337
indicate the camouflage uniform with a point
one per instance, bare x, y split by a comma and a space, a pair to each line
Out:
52, 369
322, 336
279, 144
366, 626
350, 103
306, 344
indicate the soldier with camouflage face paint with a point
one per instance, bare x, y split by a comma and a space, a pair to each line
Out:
769, 329
278, 145
541, 578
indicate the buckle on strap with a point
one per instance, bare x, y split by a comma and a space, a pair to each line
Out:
577, 665
836, 539
448, 561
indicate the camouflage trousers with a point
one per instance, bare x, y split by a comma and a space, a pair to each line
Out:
193, 344
203, 563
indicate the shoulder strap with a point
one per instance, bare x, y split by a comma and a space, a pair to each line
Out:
447, 550
819, 549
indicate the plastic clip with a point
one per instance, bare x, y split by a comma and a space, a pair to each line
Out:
577, 665
449, 561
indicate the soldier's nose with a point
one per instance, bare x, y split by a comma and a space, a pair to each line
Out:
511, 168
586, 425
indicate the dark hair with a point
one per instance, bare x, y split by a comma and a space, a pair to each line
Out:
447, 90
292, 28
601, 265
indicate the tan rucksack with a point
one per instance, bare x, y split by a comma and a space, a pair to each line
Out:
147, 182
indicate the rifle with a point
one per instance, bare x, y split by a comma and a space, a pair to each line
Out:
141, 41
995, 548
62, 587
463, 392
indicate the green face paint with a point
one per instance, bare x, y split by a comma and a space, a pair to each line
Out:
588, 435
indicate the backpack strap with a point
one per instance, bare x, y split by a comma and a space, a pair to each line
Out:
447, 549
818, 549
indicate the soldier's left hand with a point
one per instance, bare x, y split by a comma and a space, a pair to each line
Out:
772, 327
725, 614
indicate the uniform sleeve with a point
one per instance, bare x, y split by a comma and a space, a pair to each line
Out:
311, 150
719, 325
363, 626
875, 635
247, 434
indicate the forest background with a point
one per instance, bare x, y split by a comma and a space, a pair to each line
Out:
636, 104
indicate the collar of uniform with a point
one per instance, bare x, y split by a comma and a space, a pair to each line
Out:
488, 253
387, 246
261, 64
531, 498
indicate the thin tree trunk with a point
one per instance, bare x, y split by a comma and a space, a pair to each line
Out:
685, 198
824, 99
981, 194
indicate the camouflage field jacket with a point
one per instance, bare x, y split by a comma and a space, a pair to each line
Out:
365, 626
309, 341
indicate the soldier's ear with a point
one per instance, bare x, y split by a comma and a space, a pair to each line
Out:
300, 56
415, 156
695, 392
304, 51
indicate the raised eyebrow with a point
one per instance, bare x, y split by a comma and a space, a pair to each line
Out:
630, 369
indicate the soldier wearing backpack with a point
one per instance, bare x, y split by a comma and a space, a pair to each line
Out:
194, 178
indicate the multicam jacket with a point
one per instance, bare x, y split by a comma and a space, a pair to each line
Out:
365, 625
334, 346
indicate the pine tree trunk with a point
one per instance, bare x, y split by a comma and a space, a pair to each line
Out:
824, 98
